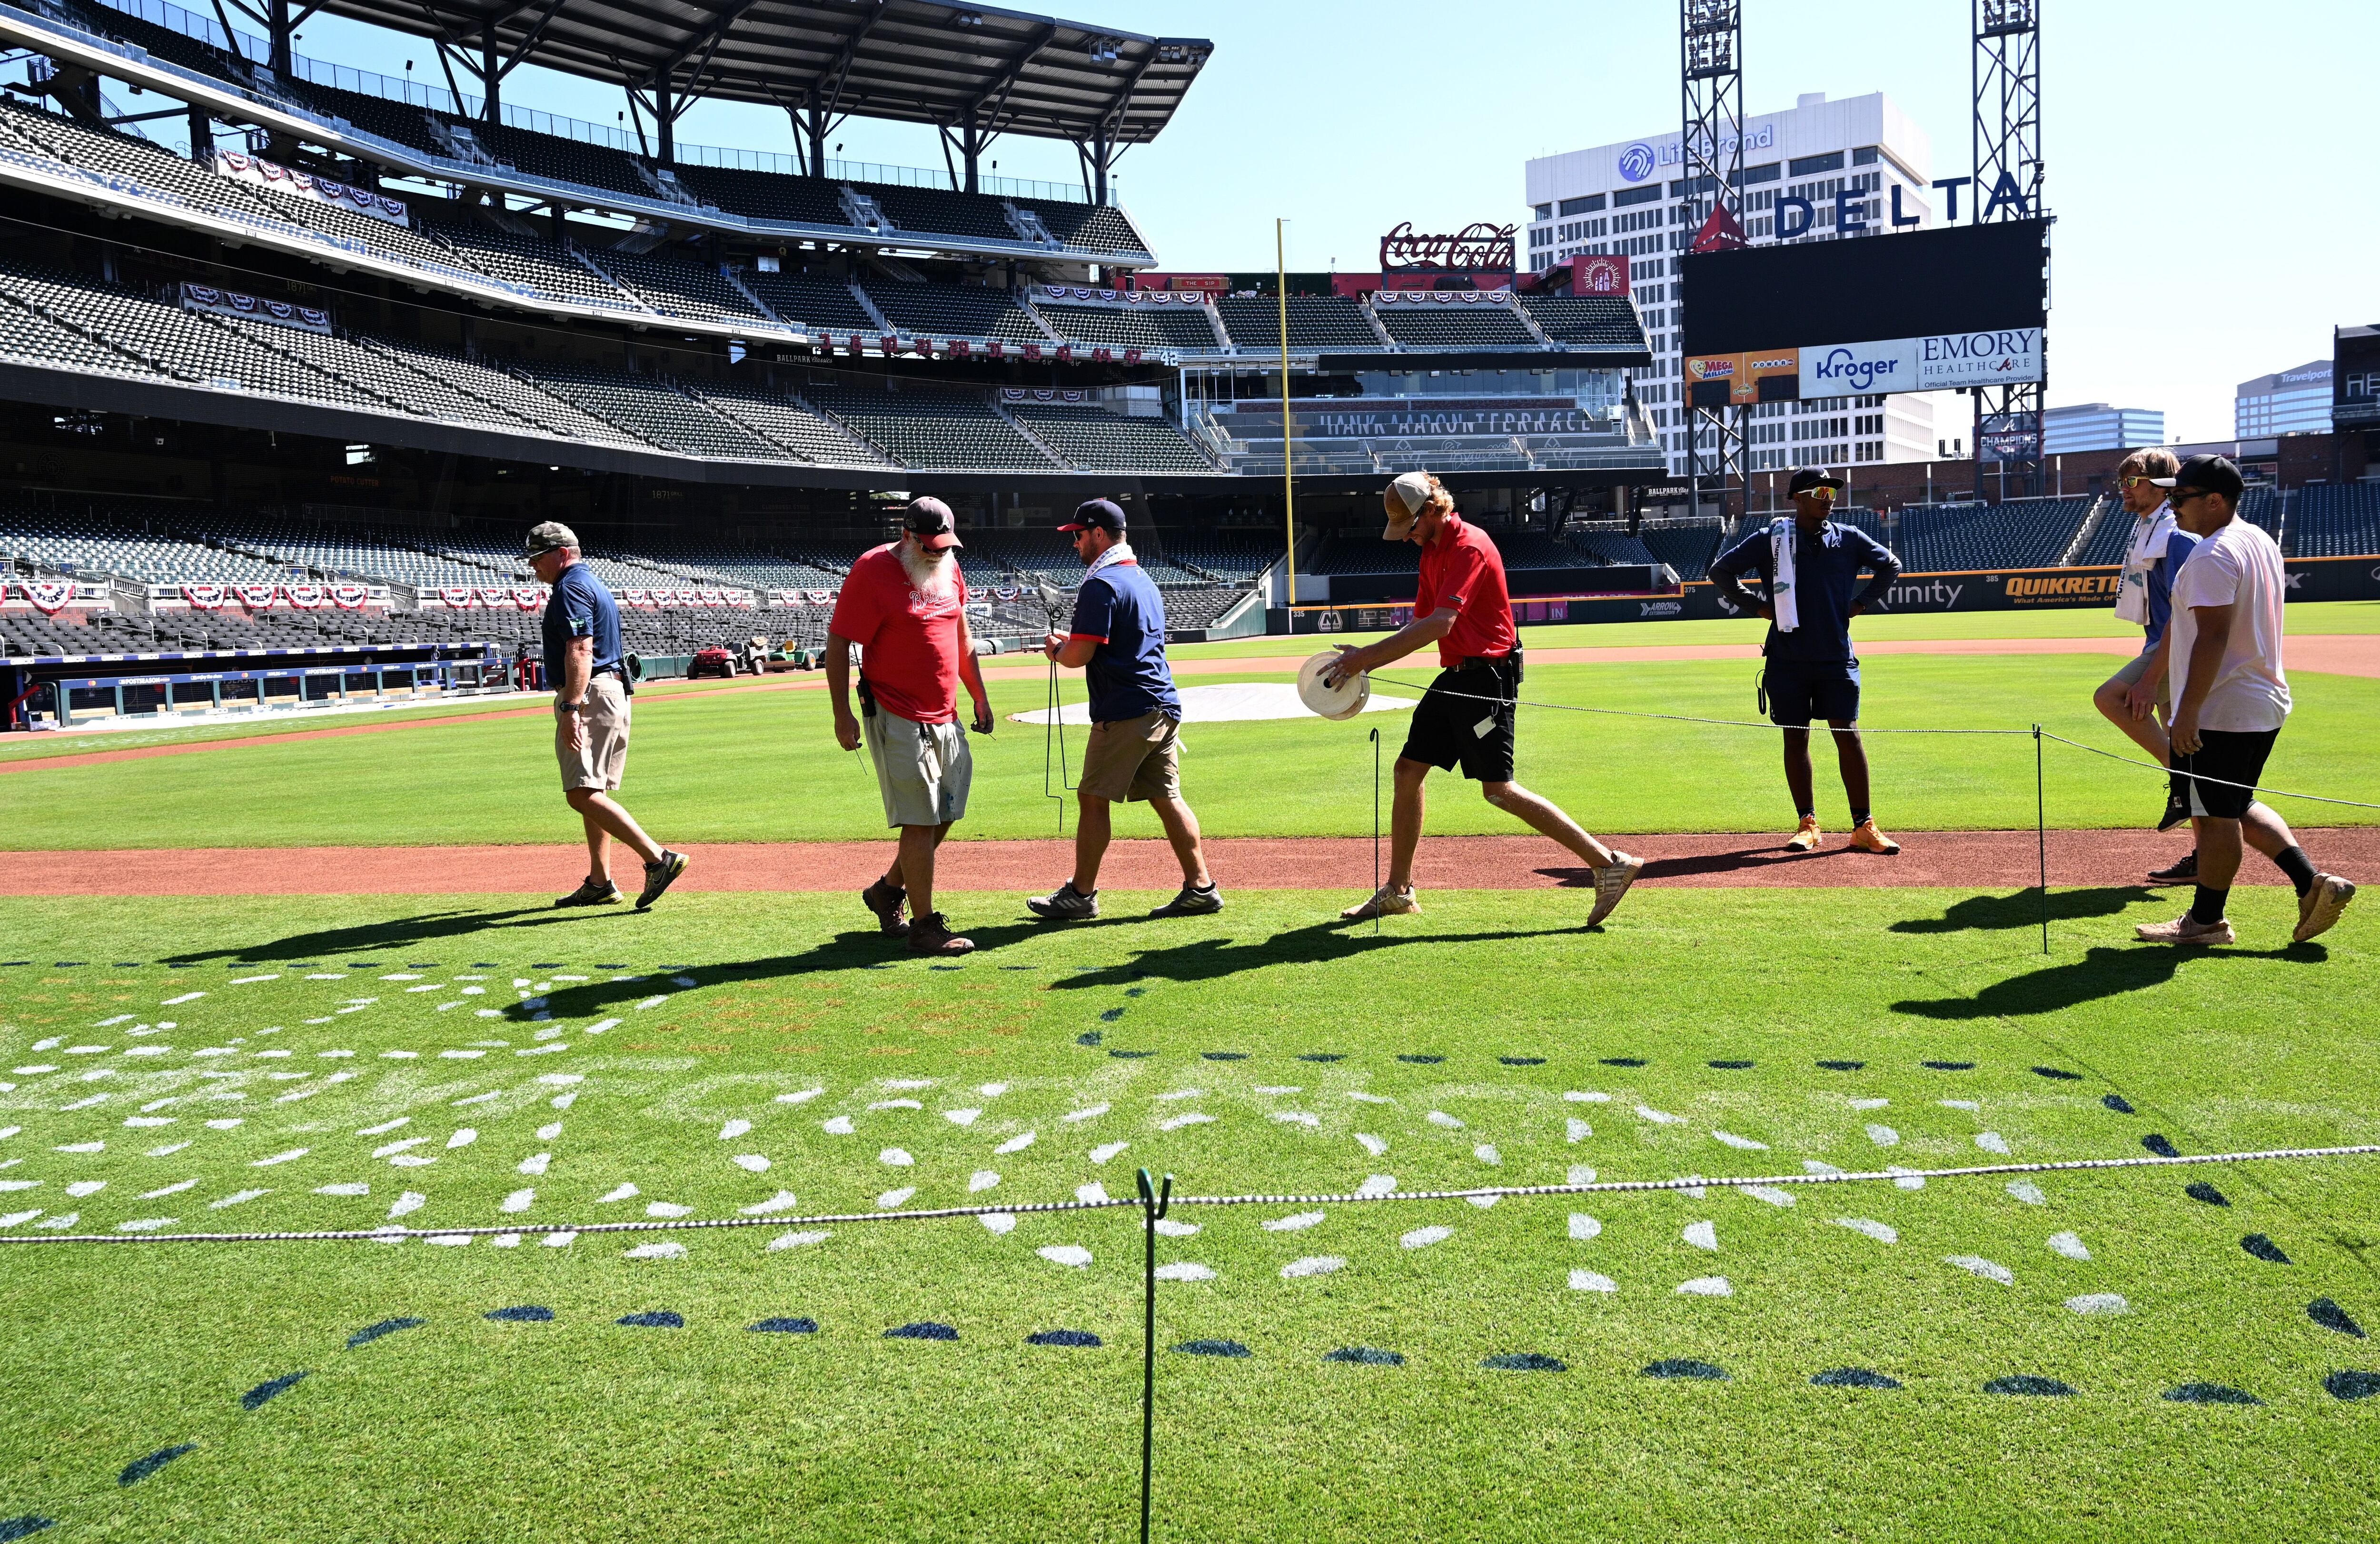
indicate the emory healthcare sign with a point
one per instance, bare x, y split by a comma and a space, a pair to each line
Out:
1940, 362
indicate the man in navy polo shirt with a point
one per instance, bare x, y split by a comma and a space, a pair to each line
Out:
1810, 566
1117, 638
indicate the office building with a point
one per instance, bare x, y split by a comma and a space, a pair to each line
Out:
2099, 426
2291, 402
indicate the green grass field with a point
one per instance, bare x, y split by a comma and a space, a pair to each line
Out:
712, 766
339, 1069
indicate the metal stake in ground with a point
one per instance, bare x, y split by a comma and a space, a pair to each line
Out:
1376, 825
1153, 1202
1053, 603
2041, 838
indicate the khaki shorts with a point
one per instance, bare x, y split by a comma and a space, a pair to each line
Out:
1133, 759
2130, 677
602, 758
922, 770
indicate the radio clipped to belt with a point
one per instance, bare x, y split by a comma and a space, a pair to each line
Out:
866, 700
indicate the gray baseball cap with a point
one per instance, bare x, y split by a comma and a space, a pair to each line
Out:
547, 535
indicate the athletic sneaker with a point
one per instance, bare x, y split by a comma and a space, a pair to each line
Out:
885, 900
1867, 839
2318, 909
593, 893
1065, 904
2185, 929
1612, 881
1194, 901
931, 934
1806, 839
1386, 900
2177, 809
660, 875
2183, 872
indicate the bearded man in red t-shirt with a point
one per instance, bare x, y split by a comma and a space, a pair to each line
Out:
905, 605
1466, 716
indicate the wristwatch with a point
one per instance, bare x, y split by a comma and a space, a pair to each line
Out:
570, 707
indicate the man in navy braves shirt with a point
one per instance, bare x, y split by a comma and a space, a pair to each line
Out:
1117, 638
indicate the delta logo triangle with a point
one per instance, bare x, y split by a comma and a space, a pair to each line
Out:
1720, 233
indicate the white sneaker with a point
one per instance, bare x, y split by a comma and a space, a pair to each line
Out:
1611, 882
1386, 900
2185, 929
2319, 909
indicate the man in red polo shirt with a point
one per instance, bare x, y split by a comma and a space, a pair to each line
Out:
905, 605
1466, 716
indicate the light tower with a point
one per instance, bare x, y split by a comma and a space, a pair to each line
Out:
1710, 92
2007, 89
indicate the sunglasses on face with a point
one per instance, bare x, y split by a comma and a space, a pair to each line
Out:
2183, 495
1822, 494
2132, 481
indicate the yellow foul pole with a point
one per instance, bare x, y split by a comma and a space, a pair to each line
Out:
1288, 449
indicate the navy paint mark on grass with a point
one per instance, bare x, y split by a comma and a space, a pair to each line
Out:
1091, 1037
2117, 1102
2330, 1316
2059, 1074
924, 1329
615, 965
1064, 1337
1731, 1067
30, 1523
528, 1313
1526, 1361
2156, 1142
547, 965
371, 1332
1843, 1066
1225, 1055
2264, 1248
1522, 1061
44, 1522
1623, 1060
1853, 1378
1020, 967
67, 965
263, 1392
2210, 1394
1321, 1056
1131, 1055
661, 1319
141, 1468
1111, 1015
946, 967
2026, 1383
1422, 1061
1950, 1066
1678, 1367
128, 965
784, 1327
2199, 1190
1366, 1357
1213, 1348
2351, 1384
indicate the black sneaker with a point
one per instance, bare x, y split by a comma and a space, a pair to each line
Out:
2177, 809
1065, 904
1193, 901
593, 893
931, 934
660, 876
2183, 872
886, 901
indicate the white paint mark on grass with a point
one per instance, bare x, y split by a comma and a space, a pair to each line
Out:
1883, 1232
654, 1001
1295, 1223
1186, 1271
138, 1121
895, 1104
1958, 1104
464, 1137
1373, 1144
1977, 1265
1280, 1088
2068, 1244
168, 1150
800, 1096
982, 1179
82, 1187
1092, 1113
1176, 1123
1883, 1135
236, 1198
519, 1200
1107, 1150
962, 1117
536, 1163
408, 1204
599, 1026
783, 1200
187, 997
1017, 1143
666, 1209
1909, 1179
838, 1125
1181, 1093
892, 1199
1312, 1264
1702, 1235
1440, 1117
150, 1224
1422, 1238
15, 1217
1582, 1227
1992, 1142
1705, 1286
1377, 1184
1362, 1098
1298, 1117
896, 1158
623, 1192
1094, 1191
87, 1146
796, 1239
1170, 1228
1483, 1202
667, 1249
164, 1190
280, 1157
549, 1132
1581, 1174
1577, 1130
999, 1222
1745, 1143
1486, 1153
1773, 1194
1592, 1280
1660, 1117
752, 1162
1072, 1254
1870, 1103
348, 1187
1586, 1096
560, 1240
992, 1091
2092, 1303
388, 1149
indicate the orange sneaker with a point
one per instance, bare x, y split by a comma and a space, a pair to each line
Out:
1867, 839
1806, 839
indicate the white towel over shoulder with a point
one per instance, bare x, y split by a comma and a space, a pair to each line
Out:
2149, 534
1782, 537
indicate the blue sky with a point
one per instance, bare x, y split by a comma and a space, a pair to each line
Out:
2208, 230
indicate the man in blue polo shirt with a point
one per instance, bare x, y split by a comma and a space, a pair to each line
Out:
1117, 638
1810, 566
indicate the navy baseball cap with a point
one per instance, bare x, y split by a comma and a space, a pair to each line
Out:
2215, 474
1810, 477
1097, 515
931, 522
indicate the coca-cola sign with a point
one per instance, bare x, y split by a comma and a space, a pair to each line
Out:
1477, 248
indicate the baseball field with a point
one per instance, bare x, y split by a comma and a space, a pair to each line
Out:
275, 979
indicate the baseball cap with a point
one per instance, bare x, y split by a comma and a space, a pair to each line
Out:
547, 535
1097, 514
1812, 476
929, 521
2216, 474
1405, 499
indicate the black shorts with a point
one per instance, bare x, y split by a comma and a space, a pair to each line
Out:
1466, 718
2224, 757
1799, 690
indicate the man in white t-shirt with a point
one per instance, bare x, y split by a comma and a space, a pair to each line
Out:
2230, 700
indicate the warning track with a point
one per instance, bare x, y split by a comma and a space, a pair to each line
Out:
1967, 860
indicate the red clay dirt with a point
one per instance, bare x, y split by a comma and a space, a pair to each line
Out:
1958, 860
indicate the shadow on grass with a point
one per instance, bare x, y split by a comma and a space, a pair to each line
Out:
2023, 909
1208, 959
402, 932
2103, 972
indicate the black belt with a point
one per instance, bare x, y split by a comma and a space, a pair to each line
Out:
1485, 662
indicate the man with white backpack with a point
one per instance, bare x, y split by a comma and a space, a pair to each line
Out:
1810, 567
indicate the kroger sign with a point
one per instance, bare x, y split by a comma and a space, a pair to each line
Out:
1941, 361
1645, 159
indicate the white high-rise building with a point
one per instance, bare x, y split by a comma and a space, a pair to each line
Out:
1860, 160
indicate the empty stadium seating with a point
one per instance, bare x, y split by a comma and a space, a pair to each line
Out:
954, 310
2337, 519
652, 411
1097, 440
932, 427
675, 286
1605, 547
1687, 548
1186, 328
1456, 326
785, 420
2018, 533
1233, 558
1597, 320
809, 300
1315, 322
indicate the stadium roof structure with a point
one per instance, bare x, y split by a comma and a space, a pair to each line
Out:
973, 71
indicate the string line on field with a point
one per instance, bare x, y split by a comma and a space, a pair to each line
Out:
1599, 1187
2200, 777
